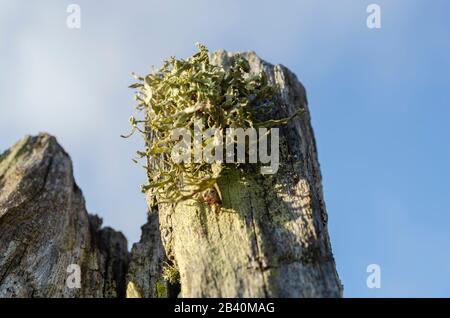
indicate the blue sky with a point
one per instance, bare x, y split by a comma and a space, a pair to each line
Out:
378, 99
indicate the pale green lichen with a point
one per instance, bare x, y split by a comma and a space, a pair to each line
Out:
171, 273
13, 154
182, 92
161, 290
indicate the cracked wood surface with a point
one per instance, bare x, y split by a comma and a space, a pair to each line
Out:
44, 227
271, 237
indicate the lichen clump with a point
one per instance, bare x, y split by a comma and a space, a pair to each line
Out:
182, 92
171, 273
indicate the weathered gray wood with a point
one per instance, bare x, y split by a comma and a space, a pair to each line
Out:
148, 257
44, 227
271, 238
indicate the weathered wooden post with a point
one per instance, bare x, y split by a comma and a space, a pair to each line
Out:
271, 238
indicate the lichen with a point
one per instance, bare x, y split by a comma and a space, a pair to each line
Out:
13, 154
161, 290
183, 92
171, 273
